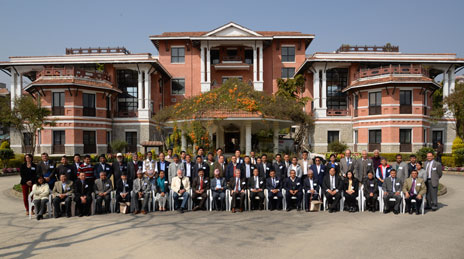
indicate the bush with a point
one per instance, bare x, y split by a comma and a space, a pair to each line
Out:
5, 155
17, 187
457, 144
5, 144
422, 153
459, 156
118, 146
16, 162
448, 161
337, 147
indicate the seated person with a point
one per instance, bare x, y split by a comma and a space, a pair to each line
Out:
180, 186
123, 191
83, 195
311, 189
40, 192
103, 188
392, 187
200, 184
237, 187
162, 190
332, 186
256, 186
274, 191
292, 186
350, 191
414, 188
371, 191
141, 189
62, 191
218, 187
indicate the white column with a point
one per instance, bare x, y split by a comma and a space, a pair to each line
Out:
140, 90
324, 89
208, 66
202, 58
14, 79
183, 141
452, 79
242, 139
247, 138
276, 137
316, 89
19, 85
255, 65
261, 58
147, 90
446, 93
205, 80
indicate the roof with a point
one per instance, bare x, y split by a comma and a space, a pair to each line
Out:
49, 81
152, 143
389, 79
4, 91
202, 33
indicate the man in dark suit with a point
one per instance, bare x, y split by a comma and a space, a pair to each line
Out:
221, 165
123, 190
392, 188
83, 195
47, 169
256, 185
102, 167
65, 168
237, 187
332, 186
279, 167
433, 170
311, 189
218, 187
133, 166
412, 164
265, 167
76, 164
292, 186
231, 167
199, 186
247, 168
238, 154
119, 168
318, 169
188, 166
162, 165
200, 165
274, 191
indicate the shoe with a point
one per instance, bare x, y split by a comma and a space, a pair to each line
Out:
144, 212
181, 210
386, 211
396, 212
330, 211
418, 212
410, 212
288, 209
136, 212
38, 217
271, 209
81, 215
307, 210
68, 216
298, 209
196, 208
233, 210
434, 208
241, 210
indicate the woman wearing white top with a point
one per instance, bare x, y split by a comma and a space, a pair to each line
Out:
40, 192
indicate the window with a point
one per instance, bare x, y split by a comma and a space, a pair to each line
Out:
214, 55
58, 104
405, 102
375, 138
89, 142
248, 56
89, 104
405, 140
58, 142
225, 78
177, 55
288, 72
27, 142
131, 139
332, 136
375, 103
178, 86
288, 54
337, 80
108, 142
127, 100
356, 105
437, 135
232, 52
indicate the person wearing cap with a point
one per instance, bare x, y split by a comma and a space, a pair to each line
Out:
180, 186
133, 166
119, 168
141, 190
200, 184
200, 164
102, 166
218, 188
162, 190
174, 166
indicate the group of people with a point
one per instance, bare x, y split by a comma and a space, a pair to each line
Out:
138, 181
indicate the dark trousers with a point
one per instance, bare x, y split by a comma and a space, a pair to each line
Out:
26, 190
219, 200
333, 201
350, 200
57, 206
235, 196
99, 201
413, 206
289, 199
432, 195
200, 203
83, 208
40, 206
388, 203
256, 204
121, 199
371, 201
275, 203
308, 199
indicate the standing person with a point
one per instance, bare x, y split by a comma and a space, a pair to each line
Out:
238, 154
119, 168
364, 164
62, 191
305, 164
83, 195
220, 165
332, 187
76, 164
287, 161
376, 159
392, 188
439, 151
200, 165
133, 167
247, 168
412, 165
318, 169
28, 172
295, 167
350, 191
149, 163
188, 167
401, 168
421, 171
333, 164
102, 166
265, 167
169, 155
199, 186
347, 164
219, 152
433, 170
231, 167
87, 168
201, 153
40, 192
279, 167
414, 189
162, 190
253, 158
371, 191
175, 166
65, 168
47, 168
210, 159
162, 165
383, 172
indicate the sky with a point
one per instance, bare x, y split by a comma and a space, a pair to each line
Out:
49, 27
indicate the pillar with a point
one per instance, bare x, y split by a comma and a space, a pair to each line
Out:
202, 63
255, 65
324, 90
140, 91
452, 79
247, 138
316, 89
261, 59
147, 90
205, 80
276, 137
183, 140
242, 139
14, 79
208, 66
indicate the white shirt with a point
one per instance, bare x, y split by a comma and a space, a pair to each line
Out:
247, 167
318, 168
187, 169
332, 182
256, 182
218, 183
429, 169
237, 184
149, 165
305, 167
311, 183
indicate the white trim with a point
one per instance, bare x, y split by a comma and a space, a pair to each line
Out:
131, 130
392, 126
78, 128
73, 145
294, 37
232, 24
392, 119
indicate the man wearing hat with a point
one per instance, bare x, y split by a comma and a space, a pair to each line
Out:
102, 166
119, 168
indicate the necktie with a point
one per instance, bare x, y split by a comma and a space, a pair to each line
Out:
273, 182
393, 180
201, 183
236, 184
124, 187
256, 182
413, 186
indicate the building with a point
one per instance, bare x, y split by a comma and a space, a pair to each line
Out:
367, 97
4, 131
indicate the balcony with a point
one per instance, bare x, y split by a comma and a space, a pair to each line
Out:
392, 70
405, 147
373, 146
126, 114
386, 48
57, 110
231, 59
58, 149
405, 109
336, 112
375, 110
72, 72
89, 111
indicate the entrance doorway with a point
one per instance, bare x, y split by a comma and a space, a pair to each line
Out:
231, 141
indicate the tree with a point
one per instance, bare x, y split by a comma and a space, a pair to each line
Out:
26, 117
455, 104
118, 145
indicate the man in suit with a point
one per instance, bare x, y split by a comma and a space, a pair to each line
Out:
296, 167
279, 167
401, 168
238, 157
293, 187
76, 164
364, 164
62, 191
252, 157
169, 155
220, 165
382, 172
163, 165
247, 168
218, 187
133, 167
102, 166
305, 162
183, 156
392, 192
347, 164
123, 190
412, 164
149, 164
174, 166
311, 189
287, 161
47, 168
371, 191
119, 168
219, 152
82, 195
237, 187
199, 185
318, 169
103, 188
200, 164
256, 186
180, 186
231, 167
188, 166
274, 192
65, 168
433, 170
265, 167
332, 186
414, 189
141, 189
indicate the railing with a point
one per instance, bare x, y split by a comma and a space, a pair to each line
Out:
90, 149
335, 112
71, 71
57, 110
88, 111
392, 69
405, 109
356, 48
232, 59
72, 51
127, 114
371, 147
58, 149
405, 147
375, 110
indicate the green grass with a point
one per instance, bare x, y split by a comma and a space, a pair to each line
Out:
17, 187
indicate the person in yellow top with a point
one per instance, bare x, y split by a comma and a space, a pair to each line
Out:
40, 192
414, 188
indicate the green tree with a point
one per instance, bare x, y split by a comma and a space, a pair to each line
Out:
118, 145
455, 104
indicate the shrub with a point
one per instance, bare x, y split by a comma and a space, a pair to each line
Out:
118, 145
337, 147
5, 155
457, 144
17, 187
459, 156
422, 153
5, 144
448, 161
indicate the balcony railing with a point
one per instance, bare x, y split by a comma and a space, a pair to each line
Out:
375, 110
231, 59
392, 69
373, 146
58, 149
74, 51
73, 72
365, 48
88, 111
57, 110
405, 109
336, 112
127, 114
405, 147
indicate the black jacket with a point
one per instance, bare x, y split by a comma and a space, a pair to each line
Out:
28, 174
292, 185
280, 169
278, 184
66, 170
307, 185
326, 183
118, 170
120, 186
252, 183
265, 169
133, 168
354, 184
82, 189
243, 170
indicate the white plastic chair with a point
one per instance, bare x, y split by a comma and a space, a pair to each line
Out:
359, 199
171, 198
413, 201
229, 200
